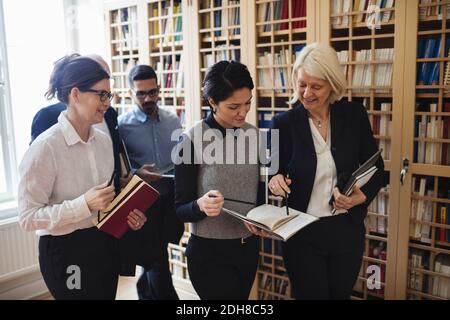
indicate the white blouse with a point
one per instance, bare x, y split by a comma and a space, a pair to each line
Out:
54, 174
326, 175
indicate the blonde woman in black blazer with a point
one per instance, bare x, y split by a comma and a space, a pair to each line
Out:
321, 139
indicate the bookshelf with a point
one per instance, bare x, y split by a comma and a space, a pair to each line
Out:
165, 38
123, 52
219, 35
398, 71
423, 270
369, 45
280, 32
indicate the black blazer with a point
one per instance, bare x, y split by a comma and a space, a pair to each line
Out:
352, 143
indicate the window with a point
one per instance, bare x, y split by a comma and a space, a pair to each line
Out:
8, 171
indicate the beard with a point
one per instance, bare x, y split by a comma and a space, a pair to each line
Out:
149, 107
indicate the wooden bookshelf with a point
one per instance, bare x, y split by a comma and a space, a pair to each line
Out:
165, 29
370, 50
280, 29
383, 67
423, 259
219, 35
123, 53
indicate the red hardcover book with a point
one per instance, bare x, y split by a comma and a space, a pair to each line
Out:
285, 14
302, 24
137, 194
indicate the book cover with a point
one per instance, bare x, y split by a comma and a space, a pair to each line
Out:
137, 194
274, 220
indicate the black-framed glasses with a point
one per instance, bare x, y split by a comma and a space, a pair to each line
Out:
142, 94
104, 95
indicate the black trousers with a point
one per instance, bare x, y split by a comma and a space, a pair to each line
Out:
81, 265
323, 260
156, 283
222, 269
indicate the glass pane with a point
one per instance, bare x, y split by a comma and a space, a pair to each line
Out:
2, 172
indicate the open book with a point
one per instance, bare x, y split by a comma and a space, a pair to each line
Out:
274, 220
137, 194
359, 178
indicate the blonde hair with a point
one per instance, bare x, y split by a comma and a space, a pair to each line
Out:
320, 60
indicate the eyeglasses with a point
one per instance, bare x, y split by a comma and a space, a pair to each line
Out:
104, 95
151, 93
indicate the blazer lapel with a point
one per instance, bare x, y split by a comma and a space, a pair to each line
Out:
302, 128
337, 125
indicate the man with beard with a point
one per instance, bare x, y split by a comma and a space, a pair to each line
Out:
146, 131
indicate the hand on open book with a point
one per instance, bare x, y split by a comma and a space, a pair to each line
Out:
146, 174
136, 219
279, 185
343, 202
211, 203
99, 197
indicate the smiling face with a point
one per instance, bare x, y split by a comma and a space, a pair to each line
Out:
231, 113
90, 107
314, 93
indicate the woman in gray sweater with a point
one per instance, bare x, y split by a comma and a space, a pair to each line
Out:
217, 166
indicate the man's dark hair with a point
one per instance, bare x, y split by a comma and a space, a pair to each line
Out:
141, 72
225, 77
73, 71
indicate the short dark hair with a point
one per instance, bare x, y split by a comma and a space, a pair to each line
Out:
73, 71
141, 72
225, 77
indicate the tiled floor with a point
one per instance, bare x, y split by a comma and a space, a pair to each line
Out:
127, 288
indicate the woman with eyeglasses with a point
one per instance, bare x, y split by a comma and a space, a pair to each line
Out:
64, 182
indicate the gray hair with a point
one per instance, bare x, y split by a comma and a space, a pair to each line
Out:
320, 60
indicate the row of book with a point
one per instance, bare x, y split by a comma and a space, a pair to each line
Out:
171, 75
364, 9
279, 10
222, 52
429, 48
274, 70
379, 205
436, 285
125, 28
382, 126
229, 18
435, 12
421, 215
432, 127
361, 75
169, 23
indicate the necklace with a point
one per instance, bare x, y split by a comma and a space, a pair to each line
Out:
318, 122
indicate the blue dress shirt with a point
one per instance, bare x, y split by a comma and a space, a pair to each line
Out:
149, 140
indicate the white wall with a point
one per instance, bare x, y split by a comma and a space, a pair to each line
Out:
91, 27
38, 34
35, 39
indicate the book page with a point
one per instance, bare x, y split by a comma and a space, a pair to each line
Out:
270, 216
105, 216
287, 230
135, 180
